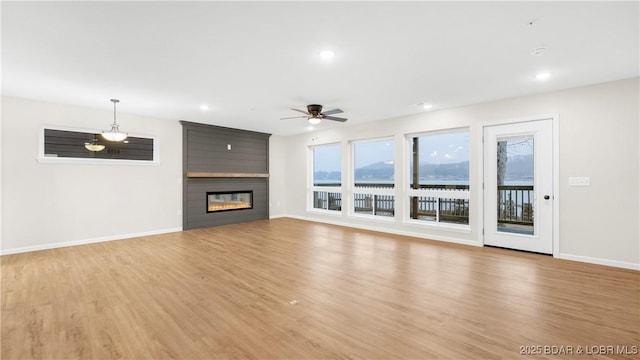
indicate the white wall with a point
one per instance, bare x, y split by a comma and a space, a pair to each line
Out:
49, 205
599, 135
277, 171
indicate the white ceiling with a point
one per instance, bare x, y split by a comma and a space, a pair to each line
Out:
253, 61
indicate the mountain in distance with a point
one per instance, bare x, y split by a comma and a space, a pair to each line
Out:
518, 167
327, 176
383, 171
451, 171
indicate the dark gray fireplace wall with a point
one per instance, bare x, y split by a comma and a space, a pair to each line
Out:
215, 149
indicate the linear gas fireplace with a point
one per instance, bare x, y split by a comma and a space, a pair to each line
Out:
224, 170
229, 200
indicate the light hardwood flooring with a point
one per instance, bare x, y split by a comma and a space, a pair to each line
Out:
291, 289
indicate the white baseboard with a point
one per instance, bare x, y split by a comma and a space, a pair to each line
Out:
591, 260
584, 259
579, 258
87, 241
388, 231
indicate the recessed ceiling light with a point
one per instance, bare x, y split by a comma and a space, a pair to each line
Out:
543, 76
327, 54
204, 107
427, 106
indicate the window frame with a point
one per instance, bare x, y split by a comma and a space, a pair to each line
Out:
353, 190
438, 194
92, 161
312, 188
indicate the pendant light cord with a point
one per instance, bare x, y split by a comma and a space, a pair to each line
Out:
115, 101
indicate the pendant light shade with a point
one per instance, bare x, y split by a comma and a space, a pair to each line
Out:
114, 134
94, 146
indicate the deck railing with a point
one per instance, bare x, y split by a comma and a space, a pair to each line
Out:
443, 209
327, 200
390, 186
515, 203
374, 204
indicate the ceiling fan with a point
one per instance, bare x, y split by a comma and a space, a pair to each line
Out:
315, 115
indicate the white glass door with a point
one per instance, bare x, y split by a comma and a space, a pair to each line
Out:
518, 186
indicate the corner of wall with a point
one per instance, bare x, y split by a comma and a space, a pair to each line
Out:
277, 177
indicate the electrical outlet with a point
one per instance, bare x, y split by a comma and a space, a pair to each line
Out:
179, 212
579, 181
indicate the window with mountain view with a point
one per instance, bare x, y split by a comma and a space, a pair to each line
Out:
327, 177
373, 175
439, 177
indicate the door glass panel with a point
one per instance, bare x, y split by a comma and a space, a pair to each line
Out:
515, 177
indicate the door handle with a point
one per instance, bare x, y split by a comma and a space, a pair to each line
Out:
547, 197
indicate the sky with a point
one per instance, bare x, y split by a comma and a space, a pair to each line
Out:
441, 148
444, 148
327, 157
517, 146
371, 152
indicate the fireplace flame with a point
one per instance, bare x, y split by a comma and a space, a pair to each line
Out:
228, 206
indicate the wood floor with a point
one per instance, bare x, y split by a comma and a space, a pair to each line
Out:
290, 289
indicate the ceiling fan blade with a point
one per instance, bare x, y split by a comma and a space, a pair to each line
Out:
334, 111
335, 118
304, 112
294, 117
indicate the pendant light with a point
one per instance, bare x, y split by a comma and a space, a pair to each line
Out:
114, 134
94, 146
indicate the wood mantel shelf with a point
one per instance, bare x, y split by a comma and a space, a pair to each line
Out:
225, 175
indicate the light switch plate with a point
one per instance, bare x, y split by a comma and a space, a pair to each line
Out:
579, 181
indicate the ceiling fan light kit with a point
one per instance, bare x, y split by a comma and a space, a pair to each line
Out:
314, 120
315, 115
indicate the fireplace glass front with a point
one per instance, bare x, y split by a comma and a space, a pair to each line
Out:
229, 200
